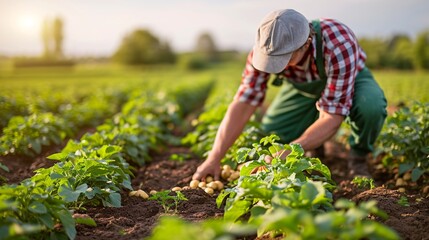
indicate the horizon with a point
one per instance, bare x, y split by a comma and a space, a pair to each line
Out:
97, 28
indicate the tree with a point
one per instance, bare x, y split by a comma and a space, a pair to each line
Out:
58, 37
46, 39
400, 52
52, 38
142, 47
206, 47
421, 50
376, 52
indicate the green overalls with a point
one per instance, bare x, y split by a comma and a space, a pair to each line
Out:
294, 108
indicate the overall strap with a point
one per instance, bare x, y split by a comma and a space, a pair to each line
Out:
319, 50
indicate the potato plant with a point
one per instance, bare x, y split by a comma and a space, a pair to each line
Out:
87, 177
27, 135
292, 197
29, 211
168, 199
405, 141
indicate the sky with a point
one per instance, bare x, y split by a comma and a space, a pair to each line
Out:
97, 27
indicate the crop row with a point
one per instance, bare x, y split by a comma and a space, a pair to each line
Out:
90, 172
290, 197
27, 135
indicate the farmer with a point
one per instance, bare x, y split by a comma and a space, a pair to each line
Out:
321, 68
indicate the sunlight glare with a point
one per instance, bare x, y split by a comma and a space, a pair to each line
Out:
28, 24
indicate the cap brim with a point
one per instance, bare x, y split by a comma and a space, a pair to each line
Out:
270, 63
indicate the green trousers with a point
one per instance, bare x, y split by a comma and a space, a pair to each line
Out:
294, 110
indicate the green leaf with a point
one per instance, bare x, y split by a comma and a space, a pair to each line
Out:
225, 193
37, 207
241, 154
47, 220
250, 166
115, 199
70, 195
58, 156
343, 203
132, 151
68, 222
404, 167
416, 174
86, 221
297, 149
236, 210
35, 144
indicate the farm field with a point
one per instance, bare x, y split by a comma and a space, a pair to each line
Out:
168, 162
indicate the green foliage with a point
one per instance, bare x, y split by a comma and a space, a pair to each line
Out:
193, 63
171, 227
348, 221
397, 52
27, 135
86, 176
363, 182
291, 197
167, 200
405, 140
30, 212
142, 47
403, 201
421, 50
10, 107
296, 182
181, 157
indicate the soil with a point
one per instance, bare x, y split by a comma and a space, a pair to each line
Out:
137, 217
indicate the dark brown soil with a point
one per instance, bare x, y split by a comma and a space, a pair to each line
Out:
137, 217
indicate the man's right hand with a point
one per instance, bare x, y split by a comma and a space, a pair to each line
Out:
207, 168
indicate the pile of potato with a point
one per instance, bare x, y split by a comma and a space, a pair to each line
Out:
209, 186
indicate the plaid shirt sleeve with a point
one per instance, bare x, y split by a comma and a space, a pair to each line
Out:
342, 57
253, 84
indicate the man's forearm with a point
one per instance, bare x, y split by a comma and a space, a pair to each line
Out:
320, 131
231, 127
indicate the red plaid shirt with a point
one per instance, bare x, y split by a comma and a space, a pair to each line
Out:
343, 59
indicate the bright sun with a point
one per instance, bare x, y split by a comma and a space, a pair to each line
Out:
28, 23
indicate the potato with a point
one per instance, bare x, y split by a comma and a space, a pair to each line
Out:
175, 189
202, 184
226, 168
132, 193
407, 176
400, 182
209, 190
152, 192
426, 189
194, 184
219, 185
209, 179
212, 185
225, 174
142, 194
235, 175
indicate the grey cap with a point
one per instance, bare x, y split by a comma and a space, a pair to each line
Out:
279, 35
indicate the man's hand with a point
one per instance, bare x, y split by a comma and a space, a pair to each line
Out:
280, 154
207, 168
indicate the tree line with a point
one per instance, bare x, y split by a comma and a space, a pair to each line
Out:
141, 46
397, 52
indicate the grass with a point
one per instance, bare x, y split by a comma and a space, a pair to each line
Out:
399, 86
403, 86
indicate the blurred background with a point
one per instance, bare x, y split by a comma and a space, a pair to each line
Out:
46, 36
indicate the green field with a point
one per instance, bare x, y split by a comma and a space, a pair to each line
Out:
399, 86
